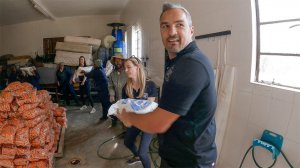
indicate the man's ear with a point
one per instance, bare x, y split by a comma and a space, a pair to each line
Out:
192, 30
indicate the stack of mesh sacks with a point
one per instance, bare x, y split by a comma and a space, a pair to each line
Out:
30, 125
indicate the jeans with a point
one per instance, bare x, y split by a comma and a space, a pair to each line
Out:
104, 99
86, 88
66, 89
142, 152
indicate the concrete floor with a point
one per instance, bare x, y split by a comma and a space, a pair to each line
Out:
83, 137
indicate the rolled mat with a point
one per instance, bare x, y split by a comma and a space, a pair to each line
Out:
72, 58
73, 47
85, 40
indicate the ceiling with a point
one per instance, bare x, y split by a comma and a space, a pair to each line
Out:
19, 11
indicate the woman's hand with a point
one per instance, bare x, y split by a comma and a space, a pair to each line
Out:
112, 99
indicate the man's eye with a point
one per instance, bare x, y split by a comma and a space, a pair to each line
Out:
164, 26
180, 25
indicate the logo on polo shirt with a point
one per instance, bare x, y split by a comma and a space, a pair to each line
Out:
168, 74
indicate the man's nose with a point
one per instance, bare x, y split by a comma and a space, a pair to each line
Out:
172, 30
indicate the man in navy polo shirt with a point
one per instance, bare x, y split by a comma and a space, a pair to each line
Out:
184, 118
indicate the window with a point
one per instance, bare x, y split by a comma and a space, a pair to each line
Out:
278, 42
126, 42
136, 43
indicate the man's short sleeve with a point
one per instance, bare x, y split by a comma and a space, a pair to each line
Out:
188, 79
151, 89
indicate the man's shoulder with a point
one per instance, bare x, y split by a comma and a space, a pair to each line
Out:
150, 83
196, 58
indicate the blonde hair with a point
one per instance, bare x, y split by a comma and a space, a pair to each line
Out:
141, 78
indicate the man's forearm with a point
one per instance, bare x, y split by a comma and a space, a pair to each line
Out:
158, 121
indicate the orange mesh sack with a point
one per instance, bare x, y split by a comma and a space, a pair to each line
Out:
4, 107
35, 131
38, 164
43, 95
21, 166
7, 163
32, 113
26, 107
31, 97
36, 143
13, 86
62, 121
3, 115
20, 92
6, 157
45, 130
9, 150
14, 106
35, 121
26, 86
6, 97
22, 137
2, 124
38, 153
21, 151
7, 135
16, 122
59, 112
21, 161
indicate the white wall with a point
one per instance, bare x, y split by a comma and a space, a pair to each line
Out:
146, 14
254, 107
26, 38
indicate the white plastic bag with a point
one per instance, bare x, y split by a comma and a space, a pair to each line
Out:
132, 105
28, 70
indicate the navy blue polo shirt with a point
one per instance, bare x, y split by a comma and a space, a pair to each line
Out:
150, 91
100, 79
189, 91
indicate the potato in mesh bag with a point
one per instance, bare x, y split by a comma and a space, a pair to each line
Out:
21, 92
16, 122
38, 153
27, 86
35, 121
22, 137
6, 97
43, 95
35, 131
23, 151
4, 107
14, 106
26, 107
21, 161
6, 157
59, 112
3, 115
38, 164
13, 86
9, 150
36, 143
17, 166
7, 135
7, 163
32, 113
31, 97
62, 121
